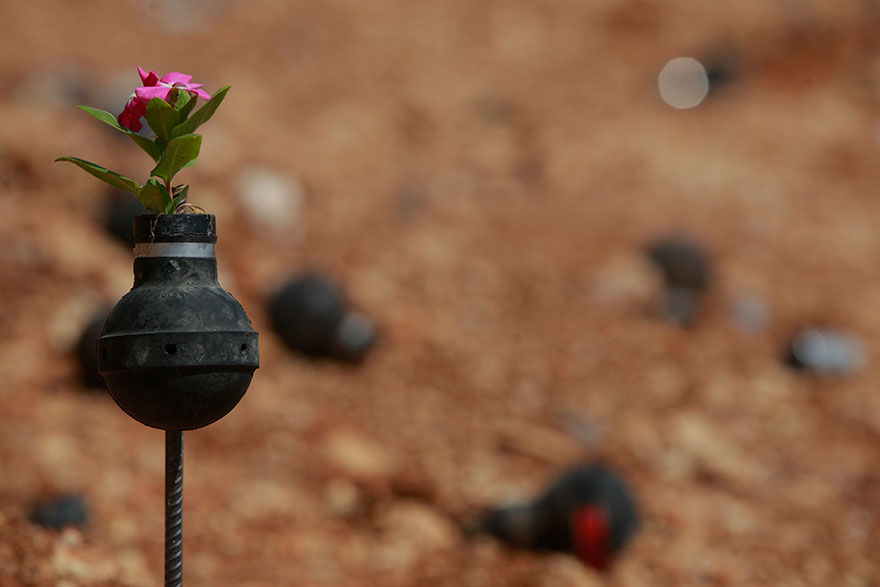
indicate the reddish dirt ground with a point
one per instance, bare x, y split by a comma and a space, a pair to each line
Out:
481, 177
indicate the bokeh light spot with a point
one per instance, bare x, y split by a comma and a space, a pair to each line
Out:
683, 82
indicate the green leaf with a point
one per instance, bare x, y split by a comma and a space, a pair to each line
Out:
116, 180
180, 152
104, 117
187, 108
162, 117
154, 196
182, 99
151, 147
202, 115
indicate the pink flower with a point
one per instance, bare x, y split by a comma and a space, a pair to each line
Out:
155, 87
131, 115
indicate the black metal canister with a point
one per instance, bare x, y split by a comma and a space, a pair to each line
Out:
177, 352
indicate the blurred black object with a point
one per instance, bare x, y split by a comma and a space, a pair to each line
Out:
310, 314
120, 209
828, 352
682, 262
686, 271
588, 511
86, 350
720, 74
723, 69
60, 511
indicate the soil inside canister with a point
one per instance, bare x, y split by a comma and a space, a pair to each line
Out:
481, 179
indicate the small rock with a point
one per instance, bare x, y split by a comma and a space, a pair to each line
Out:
701, 449
418, 523
539, 442
622, 279
344, 499
750, 314
75, 564
412, 532
828, 352
60, 511
271, 201
357, 455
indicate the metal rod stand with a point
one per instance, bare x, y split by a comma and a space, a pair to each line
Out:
173, 508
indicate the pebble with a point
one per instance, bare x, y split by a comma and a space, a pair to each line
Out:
539, 442
60, 511
357, 456
271, 201
344, 499
750, 314
830, 352
410, 532
414, 522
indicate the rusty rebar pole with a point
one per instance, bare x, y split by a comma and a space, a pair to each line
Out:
173, 508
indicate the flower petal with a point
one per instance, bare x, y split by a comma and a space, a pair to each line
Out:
147, 93
200, 93
176, 78
148, 79
131, 115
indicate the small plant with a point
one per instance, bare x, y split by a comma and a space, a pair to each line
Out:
167, 104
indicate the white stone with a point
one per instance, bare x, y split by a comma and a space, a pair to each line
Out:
271, 200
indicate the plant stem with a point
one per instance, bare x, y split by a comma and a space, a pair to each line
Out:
171, 194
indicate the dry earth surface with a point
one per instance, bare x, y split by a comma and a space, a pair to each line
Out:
481, 177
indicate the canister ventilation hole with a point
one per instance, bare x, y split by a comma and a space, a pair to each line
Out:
170, 349
243, 348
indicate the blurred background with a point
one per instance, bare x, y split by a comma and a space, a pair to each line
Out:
482, 180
